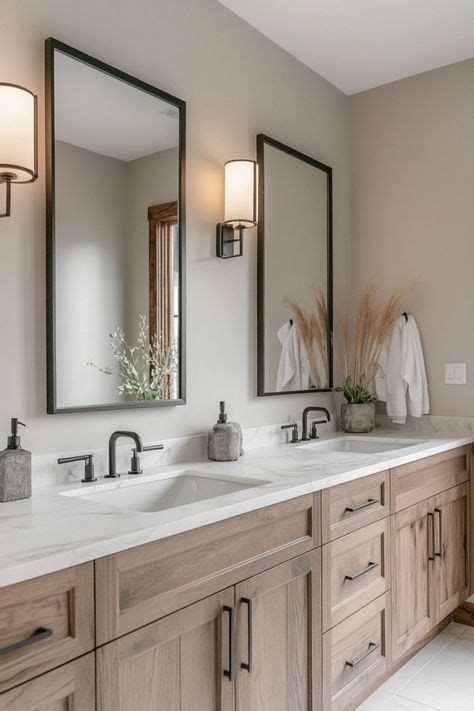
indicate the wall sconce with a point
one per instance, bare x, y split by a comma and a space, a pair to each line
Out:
240, 207
18, 138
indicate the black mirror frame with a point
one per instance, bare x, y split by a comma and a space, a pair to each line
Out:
263, 140
52, 45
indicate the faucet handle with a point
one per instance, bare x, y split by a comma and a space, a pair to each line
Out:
135, 467
88, 460
294, 433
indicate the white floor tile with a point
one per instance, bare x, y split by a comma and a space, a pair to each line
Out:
447, 682
436, 645
398, 703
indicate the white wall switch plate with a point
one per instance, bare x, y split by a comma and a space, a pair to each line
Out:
455, 373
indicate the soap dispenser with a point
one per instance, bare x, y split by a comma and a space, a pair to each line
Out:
15, 467
225, 439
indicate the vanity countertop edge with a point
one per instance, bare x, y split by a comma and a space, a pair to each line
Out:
52, 531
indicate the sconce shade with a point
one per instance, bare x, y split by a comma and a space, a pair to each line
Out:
240, 193
18, 134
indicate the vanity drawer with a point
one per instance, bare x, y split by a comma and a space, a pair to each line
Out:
45, 622
356, 570
69, 688
417, 481
142, 584
347, 507
355, 654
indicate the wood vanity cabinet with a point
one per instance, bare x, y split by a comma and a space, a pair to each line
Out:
70, 687
430, 575
252, 646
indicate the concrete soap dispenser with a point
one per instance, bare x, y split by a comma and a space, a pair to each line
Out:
15, 468
225, 439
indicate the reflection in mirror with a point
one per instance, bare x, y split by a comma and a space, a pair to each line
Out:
294, 271
115, 238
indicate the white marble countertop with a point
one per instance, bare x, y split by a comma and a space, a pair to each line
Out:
52, 531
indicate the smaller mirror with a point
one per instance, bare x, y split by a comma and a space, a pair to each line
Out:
294, 271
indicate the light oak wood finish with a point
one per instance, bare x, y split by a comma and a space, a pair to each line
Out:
452, 559
427, 477
142, 584
285, 638
175, 664
68, 688
370, 496
364, 556
471, 514
363, 640
62, 602
413, 572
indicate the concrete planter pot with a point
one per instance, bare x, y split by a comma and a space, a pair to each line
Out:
357, 417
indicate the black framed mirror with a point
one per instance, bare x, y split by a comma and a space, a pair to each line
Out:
115, 226
295, 271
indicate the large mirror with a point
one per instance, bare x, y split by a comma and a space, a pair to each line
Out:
294, 271
115, 237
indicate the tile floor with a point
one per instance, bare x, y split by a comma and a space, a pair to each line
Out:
439, 678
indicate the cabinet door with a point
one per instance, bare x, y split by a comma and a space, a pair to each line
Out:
71, 686
413, 576
279, 628
451, 516
180, 663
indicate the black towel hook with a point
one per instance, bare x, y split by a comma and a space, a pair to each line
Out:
405, 315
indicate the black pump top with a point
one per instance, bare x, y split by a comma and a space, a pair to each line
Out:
222, 414
14, 439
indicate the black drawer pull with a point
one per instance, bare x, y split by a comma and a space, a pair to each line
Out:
440, 521
431, 539
355, 662
369, 502
230, 672
249, 664
37, 636
370, 567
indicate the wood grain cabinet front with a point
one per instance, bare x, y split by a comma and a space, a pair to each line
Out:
356, 654
143, 584
355, 570
45, 622
347, 507
68, 688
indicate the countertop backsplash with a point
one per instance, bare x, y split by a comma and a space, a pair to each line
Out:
46, 470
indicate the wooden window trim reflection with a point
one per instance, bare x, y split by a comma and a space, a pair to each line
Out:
161, 218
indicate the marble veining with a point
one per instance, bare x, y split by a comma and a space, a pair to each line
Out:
52, 531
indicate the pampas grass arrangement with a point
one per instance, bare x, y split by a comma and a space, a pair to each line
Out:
361, 352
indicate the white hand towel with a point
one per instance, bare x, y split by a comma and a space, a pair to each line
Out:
293, 372
414, 372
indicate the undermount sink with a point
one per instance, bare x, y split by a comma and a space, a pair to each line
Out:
360, 445
165, 492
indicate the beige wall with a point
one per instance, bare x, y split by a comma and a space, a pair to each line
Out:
413, 211
237, 84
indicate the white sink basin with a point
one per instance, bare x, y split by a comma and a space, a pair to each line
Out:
360, 445
160, 492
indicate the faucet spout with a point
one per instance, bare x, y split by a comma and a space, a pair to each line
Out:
112, 449
306, 411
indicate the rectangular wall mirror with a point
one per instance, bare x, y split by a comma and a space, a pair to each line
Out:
115, 237
295, 303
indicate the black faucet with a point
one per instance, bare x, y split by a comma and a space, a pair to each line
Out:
112, 458
306, 411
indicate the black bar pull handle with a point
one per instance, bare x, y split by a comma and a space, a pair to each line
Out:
248, 665
359, 507
439, 554
431, 534
370, 567
38, 636
355, 662
230, 672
